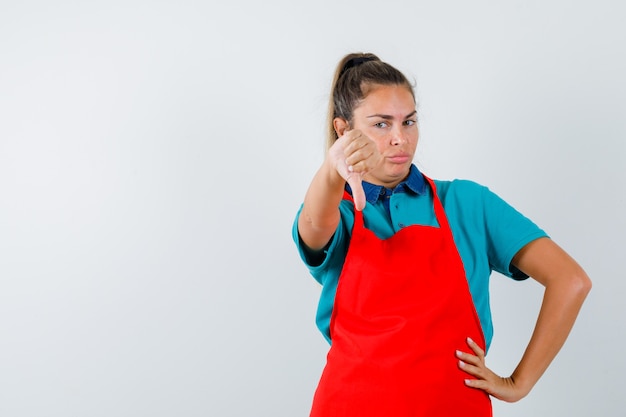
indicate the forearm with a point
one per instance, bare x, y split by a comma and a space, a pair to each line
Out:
566, 286
561, 304
320, 213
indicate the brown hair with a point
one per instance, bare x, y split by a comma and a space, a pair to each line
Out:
356, 73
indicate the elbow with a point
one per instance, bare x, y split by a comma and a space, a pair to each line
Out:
581, 284
587, 285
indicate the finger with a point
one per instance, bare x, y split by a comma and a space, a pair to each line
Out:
475, 371
354, 141
359, 157
478, 384
352, 134
468, 358
358, 194
361, 167
477, 349
497, 388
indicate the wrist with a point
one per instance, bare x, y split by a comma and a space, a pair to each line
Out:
522, 383
333, 178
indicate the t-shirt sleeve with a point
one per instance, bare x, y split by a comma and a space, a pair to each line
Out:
507, 231
331, 257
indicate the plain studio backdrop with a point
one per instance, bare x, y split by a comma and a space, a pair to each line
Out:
153, 155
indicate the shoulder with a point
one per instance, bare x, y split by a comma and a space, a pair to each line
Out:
468, 198
467, 202
462, 193
458, 187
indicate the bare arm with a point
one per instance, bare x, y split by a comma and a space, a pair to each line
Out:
348, 159
320, 214
566, 286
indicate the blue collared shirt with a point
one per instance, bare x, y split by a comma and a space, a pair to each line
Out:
414, 183
487, 231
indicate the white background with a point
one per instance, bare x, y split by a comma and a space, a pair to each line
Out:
153, 155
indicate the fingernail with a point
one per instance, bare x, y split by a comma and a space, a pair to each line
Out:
462, 364
467, 382
459, 353
350, 168
469, 340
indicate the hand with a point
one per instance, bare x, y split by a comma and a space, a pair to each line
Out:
353, 155
504, 389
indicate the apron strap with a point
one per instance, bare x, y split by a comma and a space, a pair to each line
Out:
358, 215
440, 213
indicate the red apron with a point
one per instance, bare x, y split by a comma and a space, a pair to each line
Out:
401, 311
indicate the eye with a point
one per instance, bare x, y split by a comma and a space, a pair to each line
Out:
410, 122
381, 125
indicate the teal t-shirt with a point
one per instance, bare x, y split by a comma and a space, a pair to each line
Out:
487, 231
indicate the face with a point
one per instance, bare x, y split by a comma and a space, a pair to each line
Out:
387, 115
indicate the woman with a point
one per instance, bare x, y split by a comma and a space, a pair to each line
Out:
405, 262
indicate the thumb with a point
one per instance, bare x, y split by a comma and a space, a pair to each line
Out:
358, 194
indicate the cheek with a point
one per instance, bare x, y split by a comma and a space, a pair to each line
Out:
414, 137
381, 143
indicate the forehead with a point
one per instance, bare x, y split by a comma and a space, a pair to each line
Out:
387, 99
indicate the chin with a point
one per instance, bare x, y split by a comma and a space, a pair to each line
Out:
399, 173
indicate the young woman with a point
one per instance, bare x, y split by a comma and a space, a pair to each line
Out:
405, 262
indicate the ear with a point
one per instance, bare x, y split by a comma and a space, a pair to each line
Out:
341, 125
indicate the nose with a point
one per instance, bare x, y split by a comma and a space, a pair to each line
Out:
397, 136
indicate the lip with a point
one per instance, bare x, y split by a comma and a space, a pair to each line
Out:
401, 158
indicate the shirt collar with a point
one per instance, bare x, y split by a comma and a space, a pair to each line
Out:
414, 183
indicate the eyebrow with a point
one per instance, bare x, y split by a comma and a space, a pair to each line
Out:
388, 117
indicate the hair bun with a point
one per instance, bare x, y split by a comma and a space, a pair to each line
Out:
355, 62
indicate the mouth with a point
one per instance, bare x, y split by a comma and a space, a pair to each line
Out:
401, 158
